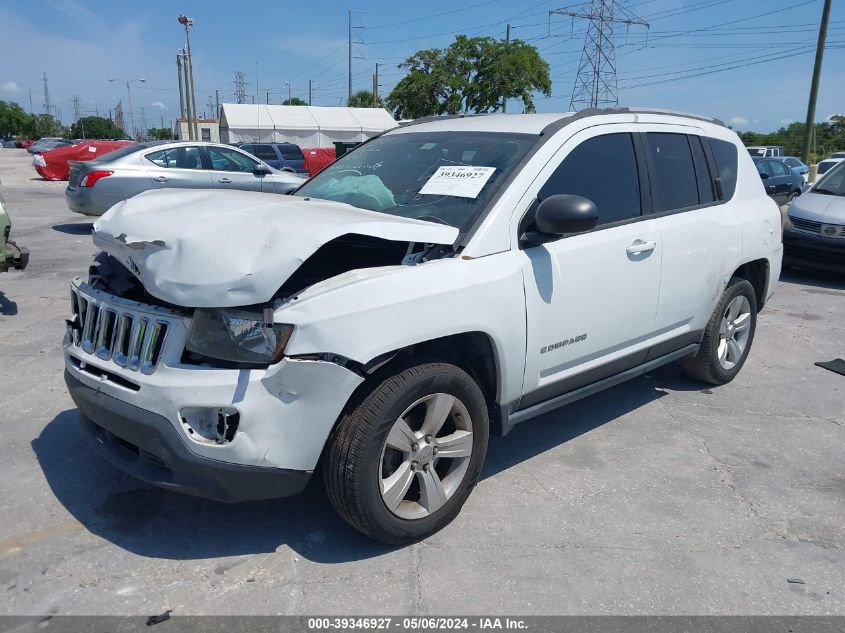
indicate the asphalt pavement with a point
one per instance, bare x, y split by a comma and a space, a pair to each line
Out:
660, 496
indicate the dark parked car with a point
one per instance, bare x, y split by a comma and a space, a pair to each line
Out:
795, 165
284, 156
781, 183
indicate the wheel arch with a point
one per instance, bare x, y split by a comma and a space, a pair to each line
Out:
756, 272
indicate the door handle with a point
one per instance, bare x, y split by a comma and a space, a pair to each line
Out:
225, 181
161, 179
771, 187
641, 246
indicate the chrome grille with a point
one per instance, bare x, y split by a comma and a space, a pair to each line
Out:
808, 226
817, 228
129, 337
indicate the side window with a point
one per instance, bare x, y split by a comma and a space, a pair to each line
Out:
702, 171
676, 186
248, 148
604, 170
224, 159
778, 168
291, 152
763, 168
176, 158
265, 152
724, 153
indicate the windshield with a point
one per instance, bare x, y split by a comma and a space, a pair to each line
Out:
446, 177
833, 181
757, 151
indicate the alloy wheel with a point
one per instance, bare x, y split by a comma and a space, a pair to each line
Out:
425, 456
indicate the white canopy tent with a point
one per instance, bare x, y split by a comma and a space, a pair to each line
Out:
307, 126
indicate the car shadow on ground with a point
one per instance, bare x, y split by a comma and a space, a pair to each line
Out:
813, 278
74, 228
7, 306
151, 522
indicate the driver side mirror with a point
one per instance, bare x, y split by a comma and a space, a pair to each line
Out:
261, 170
764, 176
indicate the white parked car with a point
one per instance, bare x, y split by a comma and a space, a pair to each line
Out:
442, 282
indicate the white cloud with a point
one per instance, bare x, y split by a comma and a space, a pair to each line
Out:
159, 105
738, 120
11, 86
785, 122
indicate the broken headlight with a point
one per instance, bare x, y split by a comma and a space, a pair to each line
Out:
239, 337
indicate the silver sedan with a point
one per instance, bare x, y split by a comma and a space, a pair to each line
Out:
95, 186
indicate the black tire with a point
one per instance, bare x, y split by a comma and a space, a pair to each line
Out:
794, 195
705, 365
352, 468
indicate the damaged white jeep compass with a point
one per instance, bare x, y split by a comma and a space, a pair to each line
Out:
442, 282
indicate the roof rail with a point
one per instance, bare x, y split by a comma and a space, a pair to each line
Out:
445, 117
588, 112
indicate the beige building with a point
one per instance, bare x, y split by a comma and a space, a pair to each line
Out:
209, 130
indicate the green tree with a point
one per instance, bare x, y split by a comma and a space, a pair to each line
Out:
95, 127
828, 137
15, 120
294, 101
159, 134
48, 125
364, 99
471, 74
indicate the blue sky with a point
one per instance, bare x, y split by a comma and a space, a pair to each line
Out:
762, 50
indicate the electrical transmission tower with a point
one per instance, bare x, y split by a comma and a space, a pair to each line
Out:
47, 106
595, 83
118, 116
240, 86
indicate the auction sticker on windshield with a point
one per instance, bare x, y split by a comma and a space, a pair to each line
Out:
462, 181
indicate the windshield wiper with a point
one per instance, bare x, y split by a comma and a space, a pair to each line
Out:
827, 192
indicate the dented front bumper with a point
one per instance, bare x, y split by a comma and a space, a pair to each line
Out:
147, 412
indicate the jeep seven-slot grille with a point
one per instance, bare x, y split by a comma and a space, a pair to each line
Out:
126, 337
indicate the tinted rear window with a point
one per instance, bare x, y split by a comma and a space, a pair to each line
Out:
725, 155
676, 183
291, 152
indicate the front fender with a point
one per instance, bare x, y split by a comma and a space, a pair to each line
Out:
365, 316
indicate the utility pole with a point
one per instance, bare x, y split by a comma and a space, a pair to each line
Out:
187, 22
375, 88
181, 84
268, 98
814, 85
309, 92
31, 111
191, 135
595, 83
505, 97
349, 92
216, 104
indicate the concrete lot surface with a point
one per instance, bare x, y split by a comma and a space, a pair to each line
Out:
657, 497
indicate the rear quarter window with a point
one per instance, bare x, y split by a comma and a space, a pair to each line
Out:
724, 153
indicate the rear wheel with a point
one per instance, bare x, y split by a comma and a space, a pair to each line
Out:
401, 463
727, 337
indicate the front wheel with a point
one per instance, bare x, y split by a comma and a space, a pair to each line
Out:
727, 336
401, 464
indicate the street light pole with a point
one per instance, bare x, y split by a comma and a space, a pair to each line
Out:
287, 83
187, 22
129, 95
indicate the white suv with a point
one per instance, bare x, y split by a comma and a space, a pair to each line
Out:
443, 281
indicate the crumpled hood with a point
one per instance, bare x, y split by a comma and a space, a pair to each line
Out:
819, 207
201, 248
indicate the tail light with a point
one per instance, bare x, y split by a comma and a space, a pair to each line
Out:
90, 179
